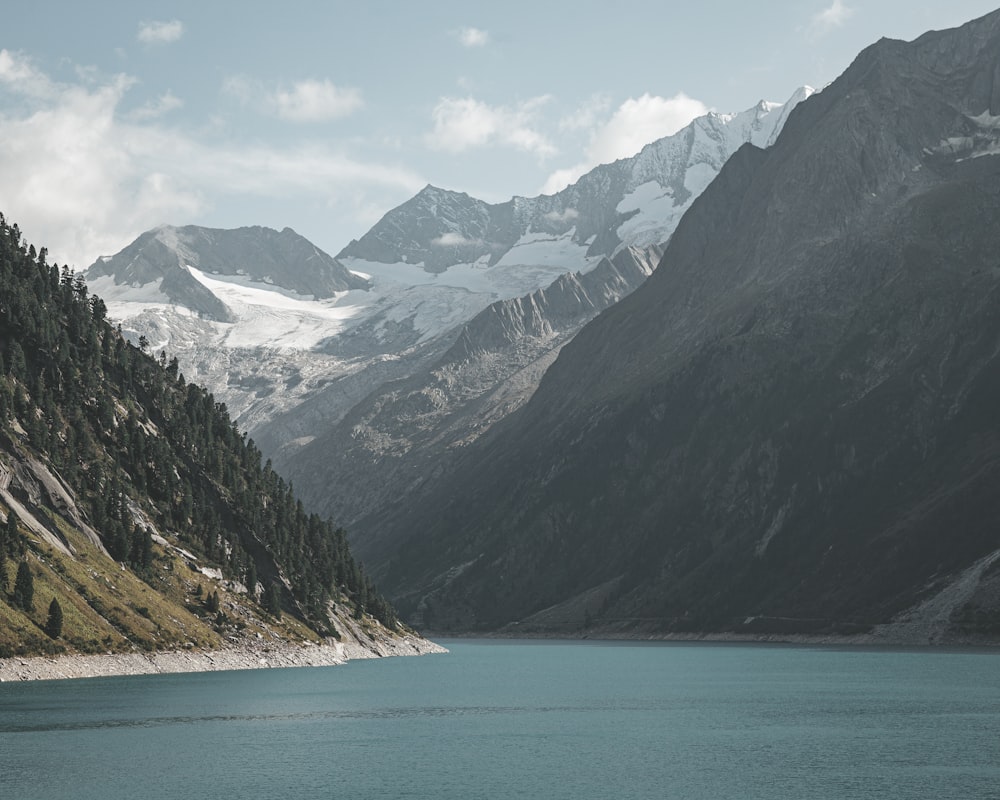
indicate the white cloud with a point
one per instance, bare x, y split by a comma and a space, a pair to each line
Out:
635, 123
452, 239
639, 121
83, 179
588, 115
17, 71
473, 37
160, 32
830, 18
568, 215
462, 124
163, 104
305, 101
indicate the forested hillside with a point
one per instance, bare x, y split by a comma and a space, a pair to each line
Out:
108, 455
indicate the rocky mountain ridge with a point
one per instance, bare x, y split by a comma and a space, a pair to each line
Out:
164, 255
387, 445
289, 366
788, 428
633, 201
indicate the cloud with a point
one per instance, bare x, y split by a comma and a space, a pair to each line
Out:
452, 239
634, 124
305, 101
164, 104
830, 18
17, 71
160, 32
587, 115
568, 215
473, 37
462, 124
83, 179
639, 121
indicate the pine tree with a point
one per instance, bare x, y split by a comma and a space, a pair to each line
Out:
53, 625
251, 579
24, 588
272, 600
10, 535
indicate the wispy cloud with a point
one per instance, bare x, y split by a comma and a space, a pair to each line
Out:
465, 123
587, 115
160, 32
568, 215
634, 124
452, 239
162, 105
830, 18
17, 72
83, 178
473, 37
305, 101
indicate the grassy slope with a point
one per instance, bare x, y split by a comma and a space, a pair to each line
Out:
107, 608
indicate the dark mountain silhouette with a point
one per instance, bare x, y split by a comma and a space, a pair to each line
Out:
792, 425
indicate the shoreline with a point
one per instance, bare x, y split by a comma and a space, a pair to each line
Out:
275, 655
861, 640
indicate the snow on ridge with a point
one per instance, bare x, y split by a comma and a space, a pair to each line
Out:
691, 158
278, 318
111, 292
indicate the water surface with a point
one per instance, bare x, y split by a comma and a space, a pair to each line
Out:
498, 719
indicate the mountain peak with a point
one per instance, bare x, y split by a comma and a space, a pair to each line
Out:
798, 405
163, 255
633, 201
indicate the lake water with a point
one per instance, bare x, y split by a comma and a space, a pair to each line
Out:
500, 719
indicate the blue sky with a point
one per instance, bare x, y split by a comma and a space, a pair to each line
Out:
116, 117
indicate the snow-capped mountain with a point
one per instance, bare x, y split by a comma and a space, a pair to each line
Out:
634, 201
405, 430
790, 427
291, 338
168, 265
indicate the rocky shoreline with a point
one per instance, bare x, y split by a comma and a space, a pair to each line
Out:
246, 655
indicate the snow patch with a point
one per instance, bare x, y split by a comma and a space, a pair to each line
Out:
279, 318
109, 291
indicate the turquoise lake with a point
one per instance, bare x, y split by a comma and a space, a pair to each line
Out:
499, 719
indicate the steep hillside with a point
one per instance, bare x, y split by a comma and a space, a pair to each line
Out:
408, 430
791, 426
132, 501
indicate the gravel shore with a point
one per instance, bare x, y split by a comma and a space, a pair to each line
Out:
247, 655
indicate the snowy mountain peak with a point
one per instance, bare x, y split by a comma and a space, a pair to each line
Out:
439, 229
159, 260
276, 319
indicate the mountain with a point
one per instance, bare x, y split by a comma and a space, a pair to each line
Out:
162, 259
791, 426
291, 362
634, 201
136, 516
409, 428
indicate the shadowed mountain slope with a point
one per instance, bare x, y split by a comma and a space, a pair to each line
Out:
792, 425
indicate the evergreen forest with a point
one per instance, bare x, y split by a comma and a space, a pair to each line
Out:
149, 457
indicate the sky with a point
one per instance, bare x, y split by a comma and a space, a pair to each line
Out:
117, 117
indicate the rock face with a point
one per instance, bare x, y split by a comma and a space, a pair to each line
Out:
463, 305
282, 259
389, 443
791, 426
634, 201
